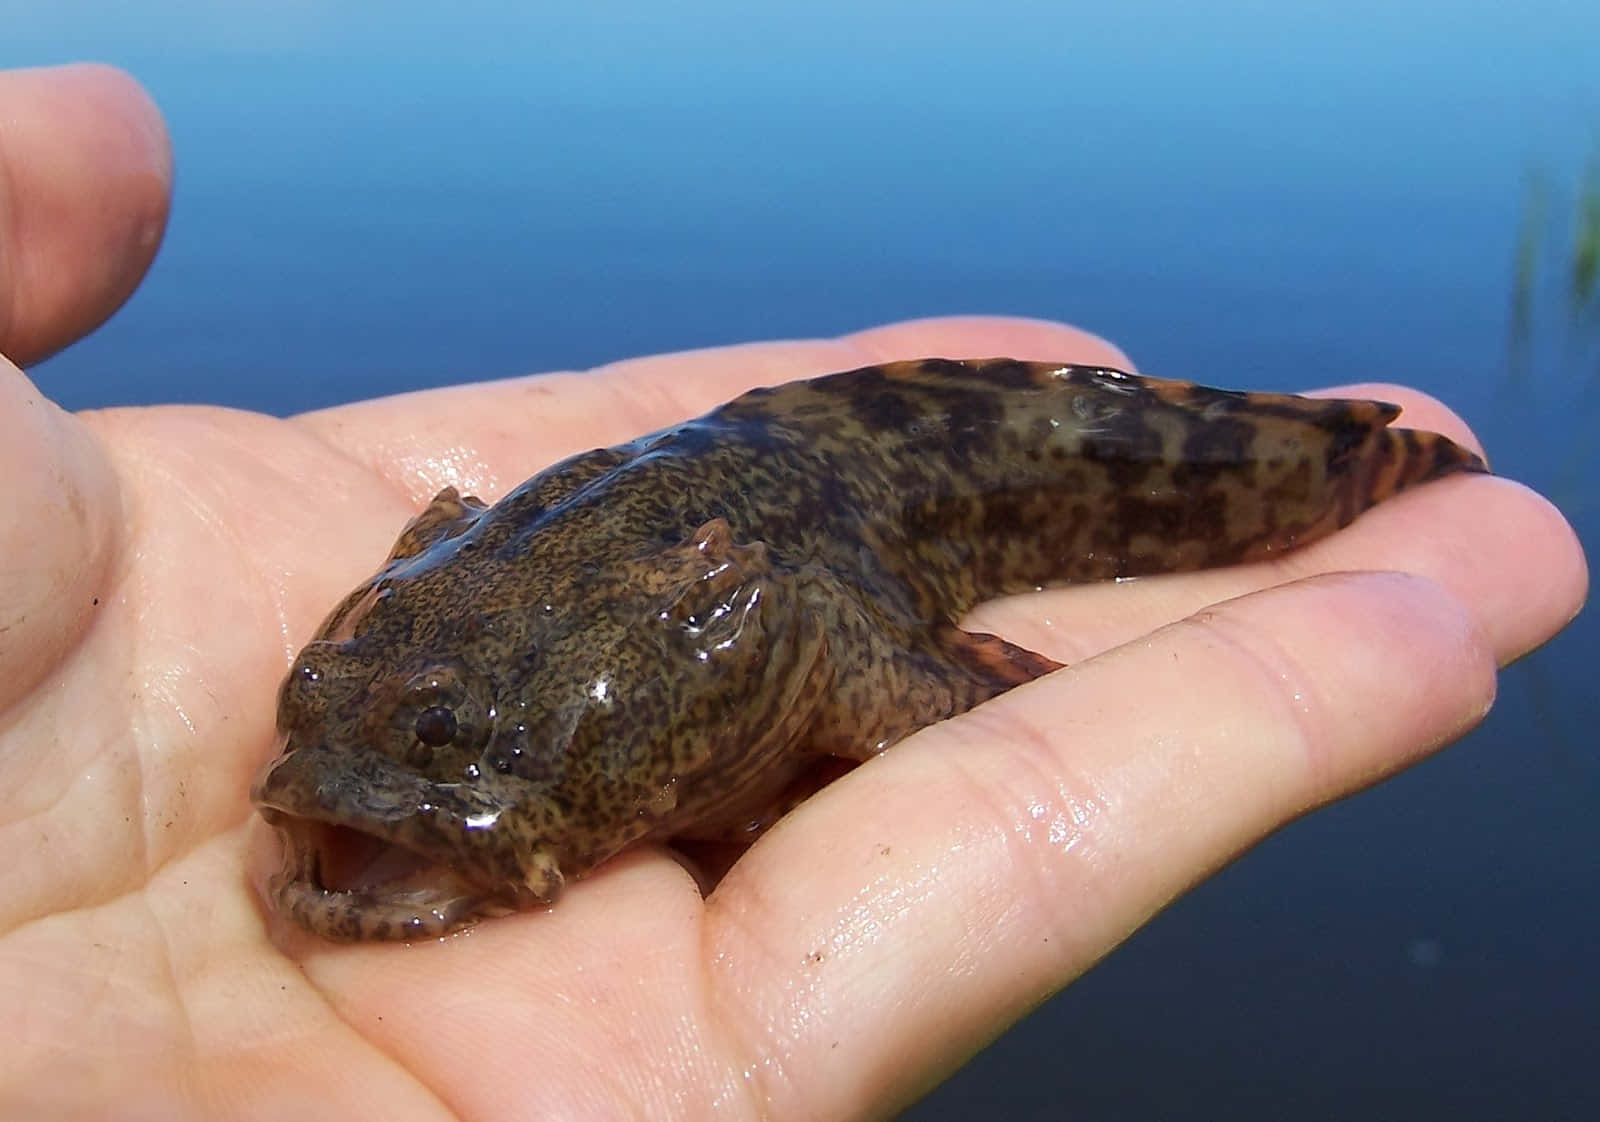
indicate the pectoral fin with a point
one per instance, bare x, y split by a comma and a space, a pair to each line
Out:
993, 660
449, 514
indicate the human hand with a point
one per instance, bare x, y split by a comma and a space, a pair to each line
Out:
164, 564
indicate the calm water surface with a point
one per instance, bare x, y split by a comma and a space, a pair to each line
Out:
379, 198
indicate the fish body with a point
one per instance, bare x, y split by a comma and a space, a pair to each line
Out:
662, 639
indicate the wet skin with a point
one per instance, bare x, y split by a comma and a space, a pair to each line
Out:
664, 639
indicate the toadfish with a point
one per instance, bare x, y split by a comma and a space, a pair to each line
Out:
662, 639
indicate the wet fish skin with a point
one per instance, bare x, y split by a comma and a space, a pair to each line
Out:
662, 639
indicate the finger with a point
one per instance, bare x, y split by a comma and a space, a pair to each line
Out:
1436, 531
888, 928
487, 438
85, 177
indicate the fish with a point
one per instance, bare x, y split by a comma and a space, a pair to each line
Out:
664, 639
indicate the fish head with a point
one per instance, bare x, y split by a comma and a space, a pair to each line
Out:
465, 735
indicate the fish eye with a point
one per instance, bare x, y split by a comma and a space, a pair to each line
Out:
436, 726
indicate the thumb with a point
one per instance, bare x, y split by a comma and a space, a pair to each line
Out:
58, 533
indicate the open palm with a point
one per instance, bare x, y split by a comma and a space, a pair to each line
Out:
162, 565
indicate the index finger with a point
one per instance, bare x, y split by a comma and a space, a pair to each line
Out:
484, 439
85, 180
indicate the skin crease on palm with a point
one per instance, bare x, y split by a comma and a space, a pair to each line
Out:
163, 564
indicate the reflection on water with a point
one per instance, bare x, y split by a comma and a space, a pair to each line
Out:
1557, 254
1554, 360
1586, 243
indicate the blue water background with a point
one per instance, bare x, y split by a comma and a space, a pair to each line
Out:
374, 198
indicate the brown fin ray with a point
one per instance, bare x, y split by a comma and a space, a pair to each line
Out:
994, 660
448, 515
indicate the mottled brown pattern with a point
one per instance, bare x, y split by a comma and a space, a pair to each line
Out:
659, 640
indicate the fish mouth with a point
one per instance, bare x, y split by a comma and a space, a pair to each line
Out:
372, 851
347, 885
